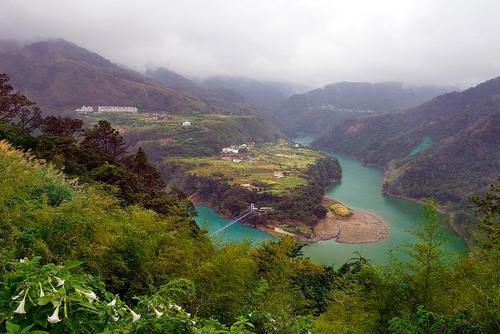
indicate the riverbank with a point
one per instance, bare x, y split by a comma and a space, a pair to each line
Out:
360, 228
457, 228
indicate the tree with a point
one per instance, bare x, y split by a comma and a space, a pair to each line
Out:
105, 138
62, 127
489, 207
6, 112
424, 264
16, 110
148, 177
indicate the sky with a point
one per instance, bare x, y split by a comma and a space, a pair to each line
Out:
308, 42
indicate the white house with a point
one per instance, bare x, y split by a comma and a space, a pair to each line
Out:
186, 123
229, 150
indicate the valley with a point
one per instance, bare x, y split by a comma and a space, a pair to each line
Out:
123, 219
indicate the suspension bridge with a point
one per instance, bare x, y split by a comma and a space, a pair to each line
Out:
242, 215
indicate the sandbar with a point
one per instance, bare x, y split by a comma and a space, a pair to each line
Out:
362, 227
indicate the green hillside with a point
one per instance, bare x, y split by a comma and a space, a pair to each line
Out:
164, 135
447, 148
62, 77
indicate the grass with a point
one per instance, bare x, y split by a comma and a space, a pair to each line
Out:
340, 210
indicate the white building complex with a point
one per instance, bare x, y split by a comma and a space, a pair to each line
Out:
85, 109
117, 110
109, 109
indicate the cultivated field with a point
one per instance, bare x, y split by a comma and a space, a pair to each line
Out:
272, 167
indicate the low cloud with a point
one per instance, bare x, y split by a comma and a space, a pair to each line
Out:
312, 42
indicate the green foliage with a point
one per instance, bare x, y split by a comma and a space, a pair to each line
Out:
489, 228
428, 322
150, 266
425, 263
52, 299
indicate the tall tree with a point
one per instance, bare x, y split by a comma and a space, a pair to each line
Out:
423, 264
16, 109
105, 138
62, 127
148, 177
6, 91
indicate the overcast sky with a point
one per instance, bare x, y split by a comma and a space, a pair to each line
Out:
314, 42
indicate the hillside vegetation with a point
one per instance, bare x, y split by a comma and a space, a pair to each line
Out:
214, 288
164, 135
221, 97
447, 148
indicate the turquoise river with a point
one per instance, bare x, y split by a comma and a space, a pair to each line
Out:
360, 188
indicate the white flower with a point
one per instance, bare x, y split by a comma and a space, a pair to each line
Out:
55, 303
55, 317
20, 308
175, 306
158, 313
112, 303
19, 295
188, 314
41, 291
135, 316
250, 314
41, 295
59, 281
90, 296
22, 260
115, 318
193, 322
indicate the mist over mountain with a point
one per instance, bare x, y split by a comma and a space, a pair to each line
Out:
267, 94
447, 148
61, 76
220, 97
317, 110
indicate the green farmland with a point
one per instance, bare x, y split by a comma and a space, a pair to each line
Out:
273, 167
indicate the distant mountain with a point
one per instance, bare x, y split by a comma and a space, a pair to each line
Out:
220, 98
316, 111
258, 92
61, 76
447, 148
176, 81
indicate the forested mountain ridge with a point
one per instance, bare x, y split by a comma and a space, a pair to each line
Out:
220, 98
447, 148
316, 111
62, 76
